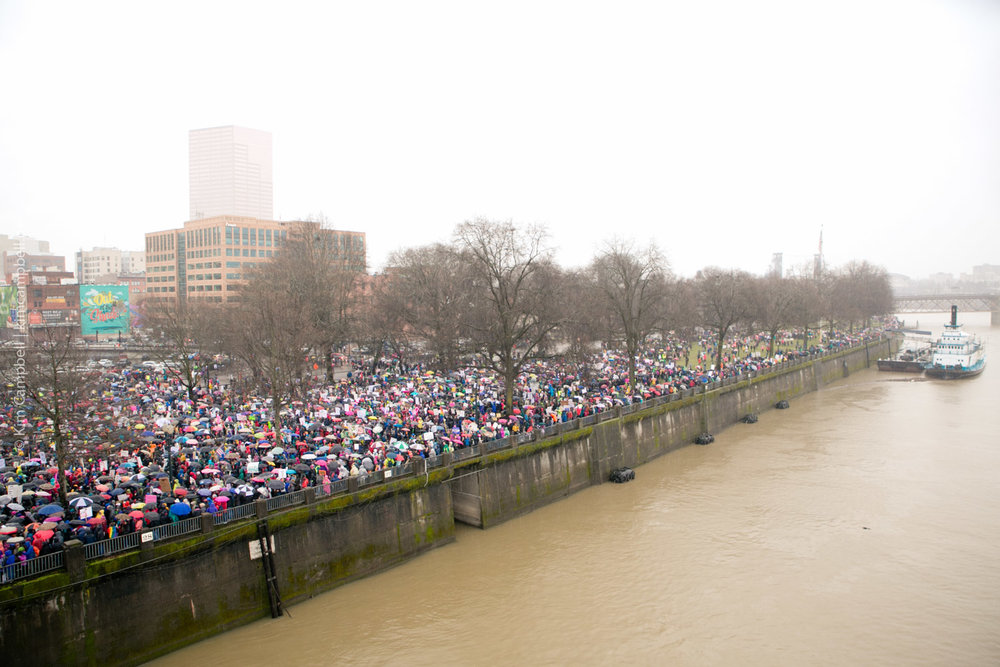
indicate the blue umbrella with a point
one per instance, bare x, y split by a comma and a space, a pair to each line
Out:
48, 510
180, 509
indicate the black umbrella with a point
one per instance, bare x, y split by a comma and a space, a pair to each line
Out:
275, 484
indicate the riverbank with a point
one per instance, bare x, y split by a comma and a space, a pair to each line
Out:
328, 542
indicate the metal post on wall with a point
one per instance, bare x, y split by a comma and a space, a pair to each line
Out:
270, 577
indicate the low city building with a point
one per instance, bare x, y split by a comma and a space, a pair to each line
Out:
209, 259
94, 267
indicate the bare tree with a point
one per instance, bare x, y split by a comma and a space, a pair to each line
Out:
430, 284
325, 275
188, 335
586, 323
862, 291
773, 300
516, 302
682, 313
633, 285
379, 320
271, 329
724, 300
807, 305
47, 376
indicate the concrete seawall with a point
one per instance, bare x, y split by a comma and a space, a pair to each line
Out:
516, 480
130, 608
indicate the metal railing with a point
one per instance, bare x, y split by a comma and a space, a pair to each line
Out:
285, 500
182, 527
368, 480
235, 514
111, 546
30, 568
466, 453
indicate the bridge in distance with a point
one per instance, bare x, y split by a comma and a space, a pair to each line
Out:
942, 303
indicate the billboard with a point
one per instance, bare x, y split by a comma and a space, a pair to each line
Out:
8, 306
104, 309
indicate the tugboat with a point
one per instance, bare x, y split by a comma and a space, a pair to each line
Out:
913, 356
956, 354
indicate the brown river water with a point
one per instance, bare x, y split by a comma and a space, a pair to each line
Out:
861, 526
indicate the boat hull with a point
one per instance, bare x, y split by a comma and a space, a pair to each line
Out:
900, 366
939, 373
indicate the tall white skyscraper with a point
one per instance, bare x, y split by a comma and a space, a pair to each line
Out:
229, 172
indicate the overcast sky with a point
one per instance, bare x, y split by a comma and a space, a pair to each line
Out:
723, 131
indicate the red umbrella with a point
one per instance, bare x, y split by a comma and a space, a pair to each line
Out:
135, 514
180, 492
42, 536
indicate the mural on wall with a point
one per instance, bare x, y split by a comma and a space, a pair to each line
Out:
104, 309
8, 306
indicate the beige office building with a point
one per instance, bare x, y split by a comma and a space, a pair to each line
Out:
209, 259
229, 173
99, 265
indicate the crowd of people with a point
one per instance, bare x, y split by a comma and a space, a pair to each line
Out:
144, 453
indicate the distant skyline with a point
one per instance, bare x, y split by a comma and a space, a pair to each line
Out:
724, 132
